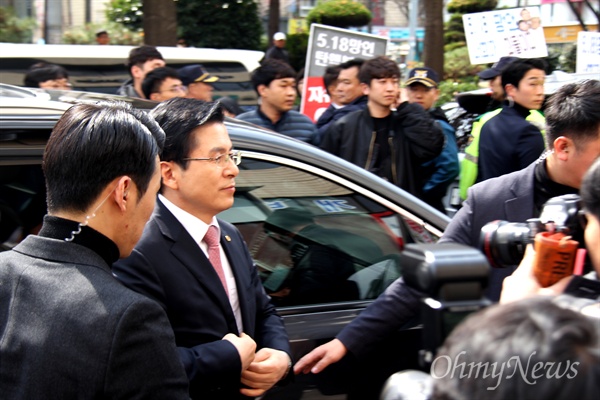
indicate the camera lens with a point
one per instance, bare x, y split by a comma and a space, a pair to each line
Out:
504, 243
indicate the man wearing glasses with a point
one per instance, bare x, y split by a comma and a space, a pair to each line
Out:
162, 84
230, 339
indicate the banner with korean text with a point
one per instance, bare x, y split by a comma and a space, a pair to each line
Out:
588, 52
332, 46
515, 32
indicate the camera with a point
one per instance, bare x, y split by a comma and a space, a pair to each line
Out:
453, 278
504, 243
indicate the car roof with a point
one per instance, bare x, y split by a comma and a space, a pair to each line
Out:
30, 121
66, 54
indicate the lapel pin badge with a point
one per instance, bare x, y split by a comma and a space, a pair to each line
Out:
227, 238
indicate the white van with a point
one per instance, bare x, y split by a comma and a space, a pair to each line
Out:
102, 69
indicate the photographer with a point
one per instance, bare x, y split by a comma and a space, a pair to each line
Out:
573, 143
573, 135
522, 283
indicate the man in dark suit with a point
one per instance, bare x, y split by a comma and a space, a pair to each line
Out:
509, 142
68, 328
573, 137
216, 303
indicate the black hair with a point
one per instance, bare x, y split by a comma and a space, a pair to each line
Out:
42, 72
573, 111
139, 55
299, 77
378, 68
516, 70
331, 74
155, 78
590, 189
270, 70
529, 349
231, 105
354, 62
178, 117
91, 145
102, 32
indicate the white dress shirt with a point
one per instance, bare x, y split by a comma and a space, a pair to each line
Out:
197, 229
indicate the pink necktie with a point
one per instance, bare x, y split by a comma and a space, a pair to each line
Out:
214, 255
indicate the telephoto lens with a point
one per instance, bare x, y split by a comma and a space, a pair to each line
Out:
504, 243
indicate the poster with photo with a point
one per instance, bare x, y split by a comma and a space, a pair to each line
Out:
516, 32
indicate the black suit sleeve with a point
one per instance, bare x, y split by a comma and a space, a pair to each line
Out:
392, 310
216, 363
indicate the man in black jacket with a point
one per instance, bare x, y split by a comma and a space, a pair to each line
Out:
390, 143
348, 91
278, 51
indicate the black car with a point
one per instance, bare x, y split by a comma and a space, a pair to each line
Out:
362, 223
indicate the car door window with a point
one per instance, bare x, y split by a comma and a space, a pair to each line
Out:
315, 240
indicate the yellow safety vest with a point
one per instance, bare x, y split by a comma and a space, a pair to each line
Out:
469, 164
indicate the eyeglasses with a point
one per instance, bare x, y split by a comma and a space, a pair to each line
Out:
176, 89
222, 160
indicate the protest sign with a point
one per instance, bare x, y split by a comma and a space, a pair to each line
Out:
332, 46
515, 32
588, 52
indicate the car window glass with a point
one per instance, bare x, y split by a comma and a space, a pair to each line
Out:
314, 240
22, 202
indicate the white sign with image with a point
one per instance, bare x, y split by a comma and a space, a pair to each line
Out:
515, 32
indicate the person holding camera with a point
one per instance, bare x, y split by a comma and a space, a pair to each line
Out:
573, 137
573, 143
540, 342
522, 283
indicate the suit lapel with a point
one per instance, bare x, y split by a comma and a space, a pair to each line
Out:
190, 256
234, 251
520, 207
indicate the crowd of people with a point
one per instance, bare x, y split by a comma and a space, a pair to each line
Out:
133, 270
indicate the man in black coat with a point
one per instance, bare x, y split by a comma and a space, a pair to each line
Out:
349, 93
392, 144
278, 51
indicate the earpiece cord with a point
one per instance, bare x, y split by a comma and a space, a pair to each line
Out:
88, 217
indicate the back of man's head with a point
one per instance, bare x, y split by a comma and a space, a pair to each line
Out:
529, 349
573, 111
91, 145
270, 70
142, 54
514, 72
378, 68
153, 79
179, 117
